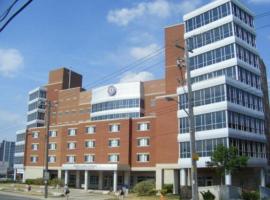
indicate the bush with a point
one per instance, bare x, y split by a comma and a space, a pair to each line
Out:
252, 195
37, 181
54, 182
166, 189
145, 188
208, 195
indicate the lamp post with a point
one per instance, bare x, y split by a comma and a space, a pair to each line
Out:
190, 113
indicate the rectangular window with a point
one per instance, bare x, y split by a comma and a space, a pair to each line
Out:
90, 144
34, 159
143, 126
143, 142
114, 143
113, 157
143, 157
114, 128
71, 145
71, 159
89, 158
52, 159
72, 132
52, 133
52, 146
35, 134
90, 129
34, 147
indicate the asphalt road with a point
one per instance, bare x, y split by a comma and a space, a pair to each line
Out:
9, 197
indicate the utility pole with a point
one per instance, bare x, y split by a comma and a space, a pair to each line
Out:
194, 155
46, 171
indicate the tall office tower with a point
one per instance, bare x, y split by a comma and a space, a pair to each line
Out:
36, 107
227, 94
19, 155
6, 158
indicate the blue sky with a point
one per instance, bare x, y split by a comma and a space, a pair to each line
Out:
94, 38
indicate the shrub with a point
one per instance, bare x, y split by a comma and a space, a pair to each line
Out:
208, 195
251, 195
54, 182
37, 181
166, 189
145, 188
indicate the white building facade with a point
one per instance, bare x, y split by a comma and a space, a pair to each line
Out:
19, 155
226, 85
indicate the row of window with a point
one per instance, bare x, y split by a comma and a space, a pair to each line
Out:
208, 121
73, 112
242, 15
36, 105
90, 158
208, 17
33, 125
230, 72
249, 78
244, 98
212, 57
18, 160
117, 116
37, 94
204, 148
35, 115
117, 104
210, 36
245, 35
245, 123
19, 148
247, 56
20, 137
141, 126
249, 148
204, 96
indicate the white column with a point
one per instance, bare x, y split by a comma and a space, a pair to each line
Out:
78, 179
15, 173
188, 176
59, 175
85, 180
262, 177
183, 177
115, 180
228, 179
159, 178
100, 180
66, 177
127, 178
175, 181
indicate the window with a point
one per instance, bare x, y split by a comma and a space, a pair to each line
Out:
117, 116
113, 157
242, 15
52, 159
247, 56
52, 146
71, 145
71, 159
35, 134
52, 133
34, 147
90, 129
145, 126
143, 142
89, 158
90, 144
143, 157
72, 132
34, 159
114, 142
114, 127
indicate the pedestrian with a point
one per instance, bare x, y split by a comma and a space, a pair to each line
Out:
121, 194
66, 191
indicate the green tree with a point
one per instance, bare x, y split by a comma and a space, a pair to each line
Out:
226, 161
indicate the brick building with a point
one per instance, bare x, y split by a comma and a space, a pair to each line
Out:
128, 132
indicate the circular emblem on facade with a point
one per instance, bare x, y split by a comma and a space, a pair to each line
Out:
111, 90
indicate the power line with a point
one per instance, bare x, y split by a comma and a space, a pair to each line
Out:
15, 14
5, 14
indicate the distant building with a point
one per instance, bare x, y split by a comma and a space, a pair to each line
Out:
7, 149
19, 155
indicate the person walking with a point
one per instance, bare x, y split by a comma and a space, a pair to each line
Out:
66, 191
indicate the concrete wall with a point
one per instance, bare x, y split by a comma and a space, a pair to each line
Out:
33, 172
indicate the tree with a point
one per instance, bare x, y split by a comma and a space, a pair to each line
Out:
226, 160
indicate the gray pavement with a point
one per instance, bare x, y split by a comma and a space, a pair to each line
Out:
11, 197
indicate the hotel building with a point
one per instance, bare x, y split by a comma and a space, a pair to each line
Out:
128, 132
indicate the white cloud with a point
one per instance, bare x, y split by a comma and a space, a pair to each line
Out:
7, 117
140, 52
134, 77
157, 9
259, 1
11, 61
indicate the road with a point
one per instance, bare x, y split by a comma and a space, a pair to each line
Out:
10, 197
